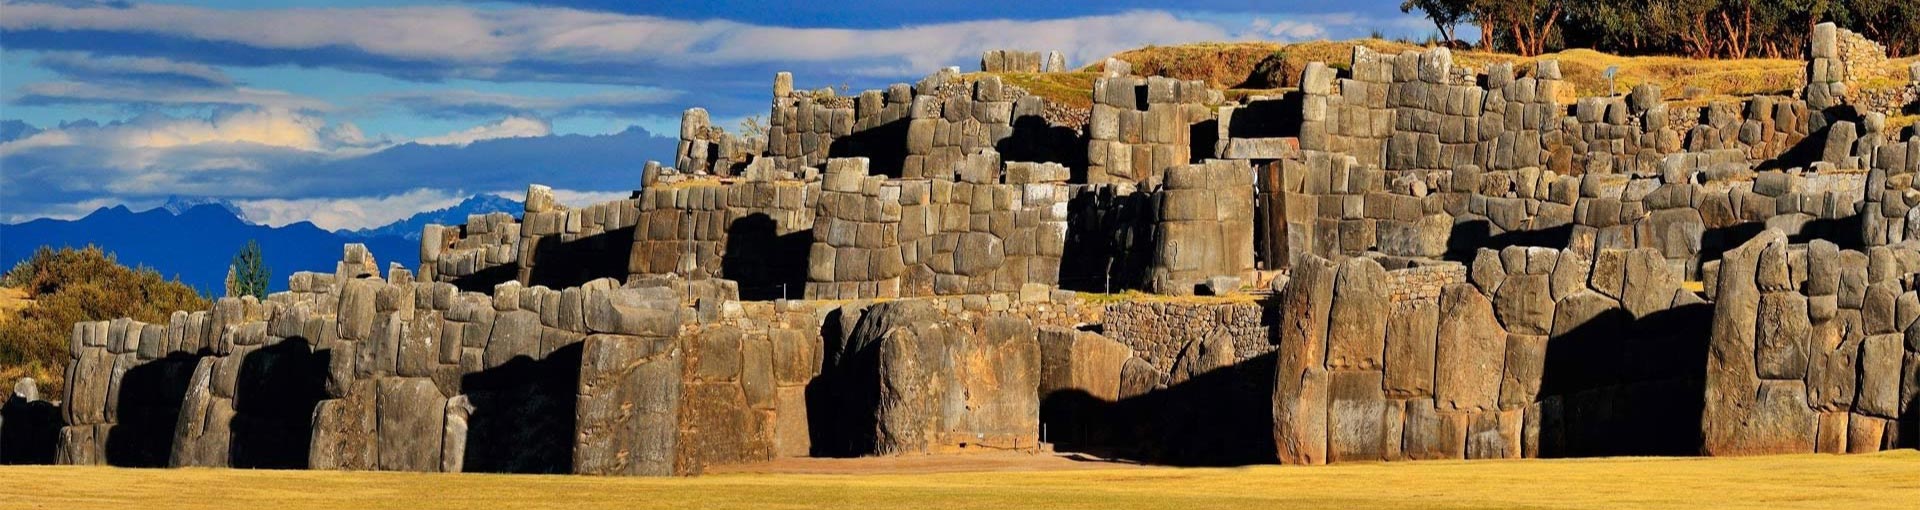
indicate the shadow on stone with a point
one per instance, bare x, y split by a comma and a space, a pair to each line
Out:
486, 279
1035, 140
524, 413
1222, 417
840, 401
1109, 243
766, 265
1616, 385
276, 391
884, 146
148, 411
29, 430
1469, 236
560, 264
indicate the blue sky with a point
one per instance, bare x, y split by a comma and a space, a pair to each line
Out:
353, 113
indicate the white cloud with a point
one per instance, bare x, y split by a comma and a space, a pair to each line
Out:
348, 213
97, 68
1288, 29
63, 211
457, 103
228, 139
485, 42
1333, 25
510, 127
55, 92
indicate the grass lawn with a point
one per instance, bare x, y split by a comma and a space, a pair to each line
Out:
1854, 482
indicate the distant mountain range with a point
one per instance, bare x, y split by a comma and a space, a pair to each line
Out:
195, 238
178, 204
457, 215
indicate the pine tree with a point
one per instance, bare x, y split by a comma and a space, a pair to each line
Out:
248, 275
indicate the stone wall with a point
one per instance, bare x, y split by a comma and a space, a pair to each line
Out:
110, 421
476, 255
914, 131
550, 244
1812, 349
1892, 205
1205, 228
1546, 353
350, 371
753, 232
1142, 127
876, 237
1182, 381
705, 149
1014, 61
567, 247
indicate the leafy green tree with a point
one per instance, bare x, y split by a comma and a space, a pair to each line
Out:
1895, 23
248, 275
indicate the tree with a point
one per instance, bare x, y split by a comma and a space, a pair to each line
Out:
248, 275
1528, 24
1445, 14
1895, 23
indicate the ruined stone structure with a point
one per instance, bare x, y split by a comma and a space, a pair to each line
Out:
1404, 259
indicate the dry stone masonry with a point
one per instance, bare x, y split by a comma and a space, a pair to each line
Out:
1403, 259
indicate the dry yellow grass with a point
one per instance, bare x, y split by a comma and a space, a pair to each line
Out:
12, 299
1229, 65
1855, 482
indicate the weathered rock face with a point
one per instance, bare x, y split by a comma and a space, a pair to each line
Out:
1205, 227
630, 394
127, 381
1533, 358
928, 385
1808, 349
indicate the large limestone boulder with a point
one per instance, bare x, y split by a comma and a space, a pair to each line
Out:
1746, 412
1300, 395
627, 422
1471, 350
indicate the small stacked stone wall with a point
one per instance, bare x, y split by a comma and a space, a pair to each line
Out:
1892, 211
753, 232
478, 254
914, 131
1142, 127
562, 247
1014, 61
705, 149
1175, 381
875, 237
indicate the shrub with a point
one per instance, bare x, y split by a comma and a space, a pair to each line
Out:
74, 285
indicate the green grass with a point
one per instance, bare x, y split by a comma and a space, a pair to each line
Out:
1853, 482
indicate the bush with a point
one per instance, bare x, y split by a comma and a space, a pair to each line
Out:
74, 285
